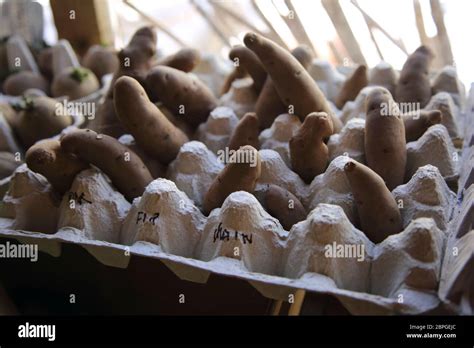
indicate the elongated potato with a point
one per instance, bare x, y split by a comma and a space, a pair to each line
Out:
185, 59
292, 82
269, 104
58, 166
182, 94
414, 83
237, 175
284, 206
377, 209
385, 145
151, 129
251, 64
308, 152
246, 132
417, 123
352, 86
40, 118
124, 168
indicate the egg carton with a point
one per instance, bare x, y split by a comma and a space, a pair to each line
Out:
240, 240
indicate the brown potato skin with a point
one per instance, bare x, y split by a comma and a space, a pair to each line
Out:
185, 59
292, 82
238, 73
108, 154
106, 120
234, 177
414, 83
377, 209
137, 58
152, 131
269, 105
9, 114
276, 202
416, 125
40, 121
251, 64
308, 152
101, 61
18, 83
50, 160
352, 86
385, 145
175, 88
65, 85
246, 132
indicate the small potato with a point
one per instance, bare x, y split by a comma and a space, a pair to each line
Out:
18, 83
417, 123
124, 168
185, 59
74, 83
377, 209
414, 84
101, 61
184, 95
40, 118
246, 132
236, 176
50, 160
308, 152
352, 86
152, 131
284, 206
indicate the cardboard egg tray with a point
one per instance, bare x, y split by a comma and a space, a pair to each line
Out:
425, 269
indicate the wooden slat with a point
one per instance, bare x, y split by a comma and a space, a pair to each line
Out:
235, 16
219, 32
83, 23
156, 23
444, 46
344, 31
275, 37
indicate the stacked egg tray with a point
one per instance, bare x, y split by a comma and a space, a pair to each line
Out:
161, 255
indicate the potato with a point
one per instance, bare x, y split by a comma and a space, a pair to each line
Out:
377, 209
182, 94
45, 62
50, 160
292, 82
40, 118
414, 83
10, 114
417, 123
308, 152
237, 175
137, 58
241, 55
152, 131
19, 82
385, 145
185, 59
352, 86
284, 206
101, 61
238, 73
124, 168
246, 132
106, 121
74, 83
269, 104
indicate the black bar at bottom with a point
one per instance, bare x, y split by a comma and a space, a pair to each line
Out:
426, 330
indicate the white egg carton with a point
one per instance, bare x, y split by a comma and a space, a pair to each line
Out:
400, 275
